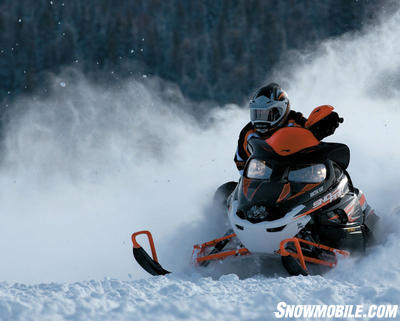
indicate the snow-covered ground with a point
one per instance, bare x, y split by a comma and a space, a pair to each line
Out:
193, 297
87, 166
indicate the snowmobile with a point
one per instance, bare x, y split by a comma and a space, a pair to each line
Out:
295, 200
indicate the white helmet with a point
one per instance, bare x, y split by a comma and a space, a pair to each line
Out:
269, 108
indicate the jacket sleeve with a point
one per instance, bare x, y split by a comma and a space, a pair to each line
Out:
242, 154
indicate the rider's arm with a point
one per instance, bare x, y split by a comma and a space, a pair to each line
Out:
242, 154
240, 162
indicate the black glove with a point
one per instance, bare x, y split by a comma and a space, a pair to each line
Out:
299, 118
326, 126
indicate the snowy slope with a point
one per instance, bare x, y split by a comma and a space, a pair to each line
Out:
87, 166
175, 298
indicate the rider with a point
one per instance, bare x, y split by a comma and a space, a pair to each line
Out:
269, 111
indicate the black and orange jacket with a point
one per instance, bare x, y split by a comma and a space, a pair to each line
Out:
242, 154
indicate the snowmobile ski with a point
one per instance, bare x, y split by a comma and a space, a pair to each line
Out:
149, 264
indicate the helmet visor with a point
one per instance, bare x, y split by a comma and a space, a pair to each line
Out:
270, 115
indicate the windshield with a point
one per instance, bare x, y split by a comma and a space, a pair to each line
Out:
308, 174
258, 169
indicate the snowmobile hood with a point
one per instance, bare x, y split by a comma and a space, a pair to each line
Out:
275, 149
254, 191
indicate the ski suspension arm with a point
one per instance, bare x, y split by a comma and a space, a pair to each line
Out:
302, 258
216, 254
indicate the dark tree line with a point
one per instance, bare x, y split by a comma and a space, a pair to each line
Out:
213, 49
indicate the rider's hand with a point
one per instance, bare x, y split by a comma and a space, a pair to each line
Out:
326, 126
299, 119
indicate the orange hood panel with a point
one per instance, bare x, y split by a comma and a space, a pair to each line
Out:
289, 140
